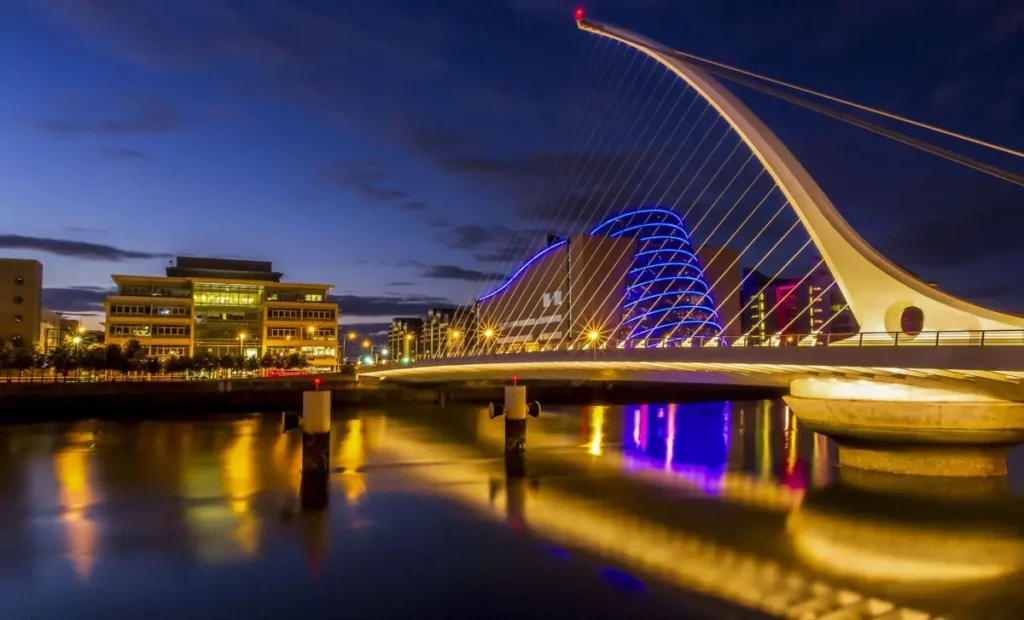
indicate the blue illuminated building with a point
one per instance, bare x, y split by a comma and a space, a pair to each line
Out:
588, 284
667, 296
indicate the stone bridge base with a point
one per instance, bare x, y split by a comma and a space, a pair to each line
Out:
905, 429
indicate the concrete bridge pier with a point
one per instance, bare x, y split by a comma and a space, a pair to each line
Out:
910, 429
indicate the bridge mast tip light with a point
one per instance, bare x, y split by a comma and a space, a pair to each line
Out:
580, 13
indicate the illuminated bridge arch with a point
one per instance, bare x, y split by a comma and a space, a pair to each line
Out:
878, 292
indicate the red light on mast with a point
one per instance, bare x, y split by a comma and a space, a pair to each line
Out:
579, 14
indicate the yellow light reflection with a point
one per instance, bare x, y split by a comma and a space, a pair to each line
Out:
764, 440
71, 468
240, 483
596, 430
352, 456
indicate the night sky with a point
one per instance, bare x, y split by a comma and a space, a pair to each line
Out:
390, 147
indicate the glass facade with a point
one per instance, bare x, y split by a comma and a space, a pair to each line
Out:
229, 317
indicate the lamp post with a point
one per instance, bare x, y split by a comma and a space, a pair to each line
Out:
241, 344
349, 337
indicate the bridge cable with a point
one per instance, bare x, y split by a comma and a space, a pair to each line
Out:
834, 99
571, 181
605, 58
524, 303
916, 143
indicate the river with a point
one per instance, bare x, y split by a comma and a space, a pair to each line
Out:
722, 509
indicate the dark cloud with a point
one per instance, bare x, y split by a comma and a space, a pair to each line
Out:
140, 115
387, 305
401, 283
375, 331
453, 272
370, 179
123, 154
75, 249
492, 244
951, 224
75, 299
91, 231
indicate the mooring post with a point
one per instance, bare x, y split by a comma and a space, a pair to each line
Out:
515, 410
316, 430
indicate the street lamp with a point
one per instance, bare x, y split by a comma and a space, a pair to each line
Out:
77, 340
310, 330
241, 343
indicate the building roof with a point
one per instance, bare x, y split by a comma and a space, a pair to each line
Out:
235, 269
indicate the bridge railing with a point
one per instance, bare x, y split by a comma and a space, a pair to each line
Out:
959, 338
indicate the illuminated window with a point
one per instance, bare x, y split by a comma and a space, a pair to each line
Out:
314, 297
558, 298
318, 314
546, 300
283, 313
170, 330
282, 332
19, 280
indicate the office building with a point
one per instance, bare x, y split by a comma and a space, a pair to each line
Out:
404, 337
223, 306
21, 301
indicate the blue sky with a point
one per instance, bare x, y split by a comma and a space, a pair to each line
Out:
372, 144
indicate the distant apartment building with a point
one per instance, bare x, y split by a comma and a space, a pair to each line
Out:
54, 329
404, 336
223, 306
447, 331
794, 307
21, 301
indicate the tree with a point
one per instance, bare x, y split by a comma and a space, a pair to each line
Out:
63, 358
179, 363
251, 363
114, 358
95, 358
23, 358
132, 349
296, 360
269, 360
229, 362
151, 365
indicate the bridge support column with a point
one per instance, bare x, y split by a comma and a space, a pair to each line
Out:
316, 432
906, 429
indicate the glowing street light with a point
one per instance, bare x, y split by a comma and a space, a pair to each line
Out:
366, 344
488, 333
352, 335
384, 352
456, 335
77, 340
241, 343
593, 335
310, 330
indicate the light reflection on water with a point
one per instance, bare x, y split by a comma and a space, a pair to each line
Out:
725, 498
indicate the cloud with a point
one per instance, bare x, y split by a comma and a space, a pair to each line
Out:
453, 272
139, 115
388, 305
365, 178
401, 283
123, 154
376, 331
75, 299
75, 249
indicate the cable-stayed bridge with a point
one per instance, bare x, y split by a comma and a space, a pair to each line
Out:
690, 245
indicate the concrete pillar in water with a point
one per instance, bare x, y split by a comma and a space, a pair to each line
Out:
316, 432
515, 431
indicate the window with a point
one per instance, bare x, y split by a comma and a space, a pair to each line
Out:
319, 314
168, 351
125, 309
558, 298
19, 280
325, 332
546, 300
314, 297
17, 318
172, 311
171, 330
18, 299
282, 332
283, 313
142, 331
